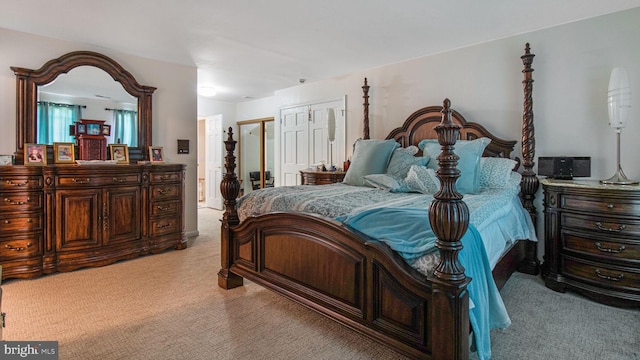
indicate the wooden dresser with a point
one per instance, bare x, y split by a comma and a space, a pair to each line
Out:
314, 177
592, 240
64, 217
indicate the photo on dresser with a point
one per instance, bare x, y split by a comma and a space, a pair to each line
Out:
6, 160
63, 153
156, 154
119, 152
35, 154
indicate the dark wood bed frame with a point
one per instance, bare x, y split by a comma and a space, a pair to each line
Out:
362, 283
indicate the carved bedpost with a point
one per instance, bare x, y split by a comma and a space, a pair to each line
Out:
230, 188
449, 218
530, 183
365, 96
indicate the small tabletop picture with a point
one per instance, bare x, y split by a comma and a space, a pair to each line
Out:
156, 154
119, 152
35, 154
63, 153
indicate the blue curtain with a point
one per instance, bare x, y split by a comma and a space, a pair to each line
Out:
125, 127
54, 121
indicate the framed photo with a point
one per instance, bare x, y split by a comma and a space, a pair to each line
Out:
35, 154
119, 152
81, 129
156, 154
6, 160
63, 153
106, 130
93, 129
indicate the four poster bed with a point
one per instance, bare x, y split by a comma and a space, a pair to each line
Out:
342, 271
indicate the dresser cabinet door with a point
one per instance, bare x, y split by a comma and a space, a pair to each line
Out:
122, 223
79, 220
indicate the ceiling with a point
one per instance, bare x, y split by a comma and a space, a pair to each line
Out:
249, 49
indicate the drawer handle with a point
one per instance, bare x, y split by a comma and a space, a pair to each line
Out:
609, 250
163, 208
165, 177
163, 226
29, 244
119, 179
163, 191
81, 181
17, 202
620, 228
609, 206
606, 277
7, 221
9, 182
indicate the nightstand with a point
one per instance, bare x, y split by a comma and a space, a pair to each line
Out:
592, 240
314, 177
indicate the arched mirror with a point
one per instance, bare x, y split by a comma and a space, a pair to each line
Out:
29, 82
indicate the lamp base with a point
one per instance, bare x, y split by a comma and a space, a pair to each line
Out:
619, 178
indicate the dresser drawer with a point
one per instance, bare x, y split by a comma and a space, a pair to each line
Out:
159, 192
99, 180
161, 208
609, 249
20, 223
601, 225
156, 178
21, 201
20, 182
619, 278
163, 226
20, 247
609, 206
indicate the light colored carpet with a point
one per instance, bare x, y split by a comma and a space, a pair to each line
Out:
169, 306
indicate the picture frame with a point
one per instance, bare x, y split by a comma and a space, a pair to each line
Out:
6, 160
63, 153
106, 130
81, 129
93, 129
156, 154
119, 152
35, 154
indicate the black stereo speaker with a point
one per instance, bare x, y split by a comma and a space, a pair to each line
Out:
564, 167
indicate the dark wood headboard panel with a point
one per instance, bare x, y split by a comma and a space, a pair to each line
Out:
420, 125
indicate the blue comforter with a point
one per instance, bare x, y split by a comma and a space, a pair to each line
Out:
407, 231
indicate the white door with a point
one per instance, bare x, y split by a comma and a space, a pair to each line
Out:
294, 139
213, 160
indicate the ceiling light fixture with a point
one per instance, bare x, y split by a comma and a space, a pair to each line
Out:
207, 91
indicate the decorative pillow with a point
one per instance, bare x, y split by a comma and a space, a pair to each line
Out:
402, 159
469, 151
495, 172
423, 180
386, 182
369, 157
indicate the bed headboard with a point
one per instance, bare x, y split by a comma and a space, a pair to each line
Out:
420, 125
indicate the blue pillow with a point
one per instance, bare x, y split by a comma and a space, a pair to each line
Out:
470, 153
422, 180
402, 159
369, 157
386, 182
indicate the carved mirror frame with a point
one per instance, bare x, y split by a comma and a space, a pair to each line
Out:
27, 82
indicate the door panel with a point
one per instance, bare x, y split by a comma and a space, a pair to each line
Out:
123, 220
78, 219
294, 144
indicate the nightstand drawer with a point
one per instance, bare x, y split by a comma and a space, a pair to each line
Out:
625, 279
606, 249
601, 225
613, 206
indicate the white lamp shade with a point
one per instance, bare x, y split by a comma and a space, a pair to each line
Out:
331, 125
619, 98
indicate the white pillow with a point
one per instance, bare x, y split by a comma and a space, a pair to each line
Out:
495, 172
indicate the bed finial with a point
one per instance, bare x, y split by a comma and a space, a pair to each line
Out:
365, 96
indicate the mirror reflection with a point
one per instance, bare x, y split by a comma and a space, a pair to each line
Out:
85, 92
256, 154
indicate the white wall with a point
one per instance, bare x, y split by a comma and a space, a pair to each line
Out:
174, 102
572, 67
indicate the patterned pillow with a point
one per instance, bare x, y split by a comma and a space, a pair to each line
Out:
402, 159
423, 180
469, 152
369, 157
495, 172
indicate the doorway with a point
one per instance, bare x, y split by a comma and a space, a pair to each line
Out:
256, 165
210, 161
